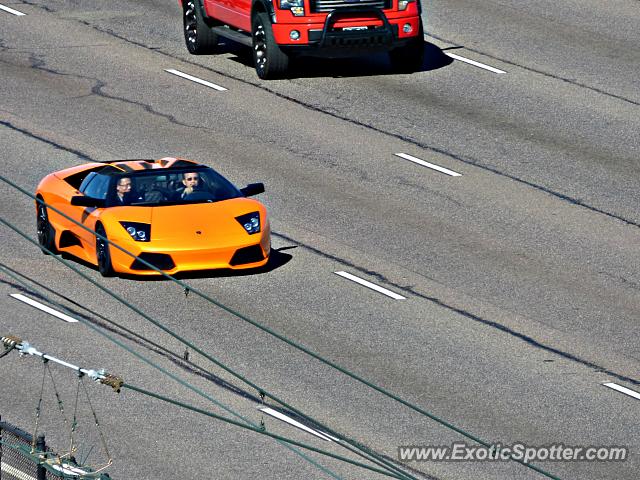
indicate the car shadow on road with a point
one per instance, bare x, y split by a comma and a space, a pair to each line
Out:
358, 66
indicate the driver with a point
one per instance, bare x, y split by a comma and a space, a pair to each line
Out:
124, 194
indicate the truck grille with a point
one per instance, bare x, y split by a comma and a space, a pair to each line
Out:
325, 6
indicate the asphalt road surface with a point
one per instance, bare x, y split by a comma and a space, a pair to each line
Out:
520, 275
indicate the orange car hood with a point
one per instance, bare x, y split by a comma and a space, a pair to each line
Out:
179, 225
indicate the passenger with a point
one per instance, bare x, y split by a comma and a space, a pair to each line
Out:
191, 182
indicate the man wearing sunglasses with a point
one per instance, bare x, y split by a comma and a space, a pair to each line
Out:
191, 182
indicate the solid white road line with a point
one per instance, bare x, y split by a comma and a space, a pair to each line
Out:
428, 165
473, 62
44, 308
291, 421
370, 285
12, 11
196, 79
625, 390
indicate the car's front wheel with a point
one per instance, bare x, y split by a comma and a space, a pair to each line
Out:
270, 61
197, 34
46, 233
103, 254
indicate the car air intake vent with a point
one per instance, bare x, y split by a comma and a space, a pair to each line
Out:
244, 255
161, 261
324, 6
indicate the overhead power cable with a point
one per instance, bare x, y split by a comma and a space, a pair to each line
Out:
350, 445
279, 336
117, 383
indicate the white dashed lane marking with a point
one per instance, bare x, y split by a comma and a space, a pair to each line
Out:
473, 62
195, 79
12, 11
432, 166
621, 389
295, 423
370, 285
44, 308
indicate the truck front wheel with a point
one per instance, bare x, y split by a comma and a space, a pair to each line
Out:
270, 61
197, 34
410, 57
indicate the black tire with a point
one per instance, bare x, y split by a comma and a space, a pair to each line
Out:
270, 61
197, 33
46, 233
103, 254
410, 57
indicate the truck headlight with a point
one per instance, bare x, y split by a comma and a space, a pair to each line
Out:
296, 6
403, 4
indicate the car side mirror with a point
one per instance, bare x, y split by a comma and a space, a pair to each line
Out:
252, 189
84, 201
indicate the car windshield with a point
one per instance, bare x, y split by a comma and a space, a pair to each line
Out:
170, 187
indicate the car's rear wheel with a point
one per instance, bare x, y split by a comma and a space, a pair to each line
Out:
103, 254
46, 233
410, 57
270, 61
197, 34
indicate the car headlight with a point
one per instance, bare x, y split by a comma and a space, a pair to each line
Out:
296, 6
250, 222
140, 232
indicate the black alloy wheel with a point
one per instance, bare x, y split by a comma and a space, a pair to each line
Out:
46, 233
197, 33
270, 61
103, 254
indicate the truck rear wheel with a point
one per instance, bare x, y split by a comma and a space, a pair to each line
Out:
410, 57
270, 61
197, 34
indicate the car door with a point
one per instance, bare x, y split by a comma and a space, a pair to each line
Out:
95, 186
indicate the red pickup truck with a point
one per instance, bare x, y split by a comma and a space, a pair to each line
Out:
276, 30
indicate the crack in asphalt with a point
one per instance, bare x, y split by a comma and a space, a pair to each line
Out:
48, 142
97, 90
38, 63
539, 72
491, 323
37, 5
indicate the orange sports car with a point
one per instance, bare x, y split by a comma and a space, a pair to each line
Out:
173, 213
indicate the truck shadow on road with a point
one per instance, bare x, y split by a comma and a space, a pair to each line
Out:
359, 66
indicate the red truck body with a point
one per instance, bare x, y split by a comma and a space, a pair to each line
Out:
280, 29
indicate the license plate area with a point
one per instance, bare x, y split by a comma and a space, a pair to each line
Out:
355, 29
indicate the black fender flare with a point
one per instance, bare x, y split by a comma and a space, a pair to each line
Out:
263, 6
